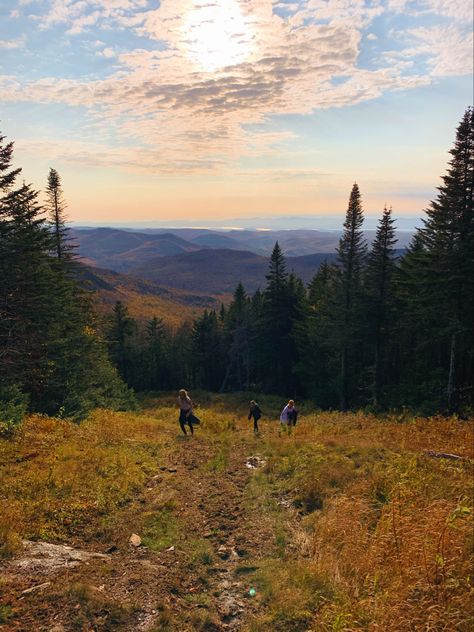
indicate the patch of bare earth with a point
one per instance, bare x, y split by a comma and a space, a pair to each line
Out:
99, 585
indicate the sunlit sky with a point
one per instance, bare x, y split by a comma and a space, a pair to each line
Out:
195, 110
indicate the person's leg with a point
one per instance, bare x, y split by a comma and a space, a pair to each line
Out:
255, 425
182, 421
191, 427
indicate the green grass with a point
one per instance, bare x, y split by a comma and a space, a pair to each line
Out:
161, 530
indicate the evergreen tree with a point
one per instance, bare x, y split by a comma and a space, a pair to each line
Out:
351, 252
447, 267
49, 348
237, 334
317, 366
275, 326
379, 292
207, 351
56, 206
154, 355
121, 329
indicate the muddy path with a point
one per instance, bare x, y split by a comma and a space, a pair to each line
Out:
199, 580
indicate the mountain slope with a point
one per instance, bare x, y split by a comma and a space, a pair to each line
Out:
121, 250
143, 298
219, 270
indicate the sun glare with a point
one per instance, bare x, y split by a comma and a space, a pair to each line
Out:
217, 35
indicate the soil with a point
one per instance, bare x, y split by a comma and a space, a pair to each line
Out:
162, 590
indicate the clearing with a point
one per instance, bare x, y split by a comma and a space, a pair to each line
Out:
351, 522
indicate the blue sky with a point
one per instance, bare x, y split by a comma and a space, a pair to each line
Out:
213, 109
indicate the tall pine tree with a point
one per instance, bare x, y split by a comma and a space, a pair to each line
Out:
380, 298
446, 269
352, 251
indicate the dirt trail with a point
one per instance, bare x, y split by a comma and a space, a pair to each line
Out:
164, 587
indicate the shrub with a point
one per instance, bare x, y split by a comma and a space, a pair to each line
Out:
13, 407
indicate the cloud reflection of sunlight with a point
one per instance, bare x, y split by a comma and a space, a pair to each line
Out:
217, 35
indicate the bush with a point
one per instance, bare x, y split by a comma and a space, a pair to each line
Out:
13, 407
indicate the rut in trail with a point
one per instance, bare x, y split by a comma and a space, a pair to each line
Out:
235, 531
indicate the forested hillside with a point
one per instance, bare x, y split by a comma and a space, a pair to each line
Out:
371, 328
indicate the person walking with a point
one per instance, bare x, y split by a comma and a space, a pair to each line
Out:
186, 414
256, 413
288, 416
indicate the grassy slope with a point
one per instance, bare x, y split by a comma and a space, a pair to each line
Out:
348, 525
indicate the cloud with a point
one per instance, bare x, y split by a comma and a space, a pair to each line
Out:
12, 44
447, 49
108, 53
212, 74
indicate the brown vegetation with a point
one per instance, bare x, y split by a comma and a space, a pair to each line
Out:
348, 525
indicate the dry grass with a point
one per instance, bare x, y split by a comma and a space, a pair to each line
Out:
370, 533
58, 477
386, 531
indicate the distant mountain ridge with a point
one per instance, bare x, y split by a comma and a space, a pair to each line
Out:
218, 271
126, 250
121, 250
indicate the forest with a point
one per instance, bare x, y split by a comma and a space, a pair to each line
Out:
375, 330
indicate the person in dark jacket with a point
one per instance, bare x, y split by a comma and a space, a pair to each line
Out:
256, 413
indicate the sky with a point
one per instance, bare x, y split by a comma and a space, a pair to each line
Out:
198, 112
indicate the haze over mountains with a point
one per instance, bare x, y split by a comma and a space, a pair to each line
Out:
203, 260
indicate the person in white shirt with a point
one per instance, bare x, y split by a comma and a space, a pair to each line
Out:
186, 415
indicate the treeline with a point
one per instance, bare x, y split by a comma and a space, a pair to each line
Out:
52, 357
375, 329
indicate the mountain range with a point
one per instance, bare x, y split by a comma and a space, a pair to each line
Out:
203, 261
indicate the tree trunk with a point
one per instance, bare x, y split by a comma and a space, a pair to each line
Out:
451, 388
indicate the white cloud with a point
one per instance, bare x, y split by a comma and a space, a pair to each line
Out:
11, 44
108, 53
214, 72
447, 49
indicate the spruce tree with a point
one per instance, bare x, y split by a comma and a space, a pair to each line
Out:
352, 251
49, 347
56, 207
275, 326
448, 264
379, 292
317, 366
237, 333
153, 356
207, 351
121, 329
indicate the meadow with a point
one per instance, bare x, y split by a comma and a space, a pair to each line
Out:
349, 522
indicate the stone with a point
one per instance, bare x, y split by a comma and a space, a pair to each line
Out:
135, 540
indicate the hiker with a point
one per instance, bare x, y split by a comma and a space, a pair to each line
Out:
256, 413
289, 415
186, 415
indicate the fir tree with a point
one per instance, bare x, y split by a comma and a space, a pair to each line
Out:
56, 207
379, 292
275, 326
121, 329
237, 341
317, 367
207, 351
351, 252
448, 262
